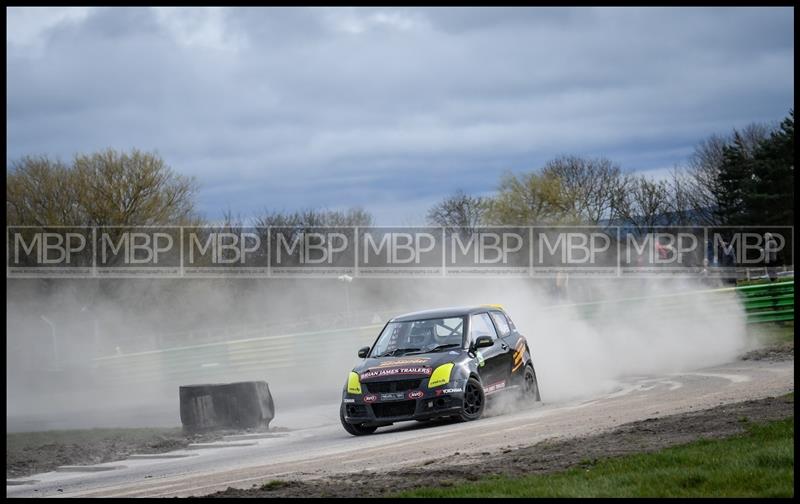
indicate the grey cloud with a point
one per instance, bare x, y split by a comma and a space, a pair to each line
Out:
359, 106
463, 19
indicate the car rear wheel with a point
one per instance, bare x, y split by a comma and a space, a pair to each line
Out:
530, 385
474, 401
355, 429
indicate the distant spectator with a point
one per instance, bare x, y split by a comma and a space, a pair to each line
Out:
710, 255
771, 255
664, 249
728, 255
705, 273
727, 260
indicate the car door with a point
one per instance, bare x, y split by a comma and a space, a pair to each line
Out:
493, 361
507, 332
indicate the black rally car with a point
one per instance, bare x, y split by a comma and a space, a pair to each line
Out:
437, 363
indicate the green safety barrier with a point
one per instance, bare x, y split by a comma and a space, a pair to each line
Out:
768, 302
763, 303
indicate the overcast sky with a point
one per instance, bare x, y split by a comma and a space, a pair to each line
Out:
388, 109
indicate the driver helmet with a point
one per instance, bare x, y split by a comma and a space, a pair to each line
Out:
423, 333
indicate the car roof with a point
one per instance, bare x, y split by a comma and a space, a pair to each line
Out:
456, 311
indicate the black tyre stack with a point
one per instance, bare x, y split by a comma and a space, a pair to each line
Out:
242, 405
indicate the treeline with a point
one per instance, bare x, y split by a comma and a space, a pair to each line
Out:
744, 178
134, 188
102, 188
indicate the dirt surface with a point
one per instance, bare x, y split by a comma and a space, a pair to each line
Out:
317, 446
775, 352
36, 452
545, 457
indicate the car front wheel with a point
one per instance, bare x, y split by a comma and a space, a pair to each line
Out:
355, 429
474, 401
530, 385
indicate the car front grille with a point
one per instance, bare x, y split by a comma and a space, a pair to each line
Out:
394, 409
392, 386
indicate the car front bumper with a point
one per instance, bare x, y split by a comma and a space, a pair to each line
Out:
386, 409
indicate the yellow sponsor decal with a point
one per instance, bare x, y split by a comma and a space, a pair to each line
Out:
519, 351
440, 375
353, 383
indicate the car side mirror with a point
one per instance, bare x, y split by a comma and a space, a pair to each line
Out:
362, 352
483, 342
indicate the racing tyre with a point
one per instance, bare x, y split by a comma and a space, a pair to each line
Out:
530, 386
474, 401
354, 429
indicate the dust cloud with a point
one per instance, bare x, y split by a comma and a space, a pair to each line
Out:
88, 353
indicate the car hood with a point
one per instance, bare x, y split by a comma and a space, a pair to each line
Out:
407, 366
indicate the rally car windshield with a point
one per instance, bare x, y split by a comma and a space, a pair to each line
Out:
420, 336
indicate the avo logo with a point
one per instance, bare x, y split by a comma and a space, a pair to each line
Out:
368, 398
415, 394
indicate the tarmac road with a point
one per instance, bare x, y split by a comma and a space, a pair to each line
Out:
326, 449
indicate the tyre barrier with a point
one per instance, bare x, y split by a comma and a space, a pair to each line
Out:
241, 405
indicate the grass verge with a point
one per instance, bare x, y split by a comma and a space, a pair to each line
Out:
759, 463
770, 334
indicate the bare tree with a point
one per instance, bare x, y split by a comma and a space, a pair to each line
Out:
354, 216
136, 188
460, 210
526, 199
42, 192
700, 183
587, 186
682, 198
308, 218
292, 225
102, 188
643, 203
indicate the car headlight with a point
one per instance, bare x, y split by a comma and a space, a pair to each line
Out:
440, 375
353, 383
